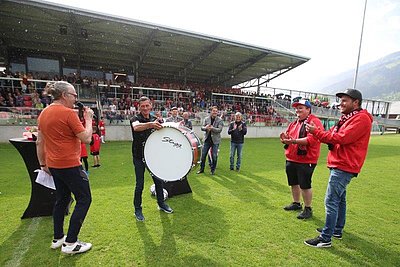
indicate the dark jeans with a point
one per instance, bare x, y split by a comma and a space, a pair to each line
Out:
214, 155
69, 180
236, 147
139, 173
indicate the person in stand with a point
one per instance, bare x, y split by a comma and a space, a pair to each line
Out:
102, 128
143, 125
58, 150
159, 117
174, 116
186, 122
348, 144
237, 130
212, 127
95, 147
302, 151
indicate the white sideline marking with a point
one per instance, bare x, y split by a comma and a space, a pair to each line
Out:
24, 244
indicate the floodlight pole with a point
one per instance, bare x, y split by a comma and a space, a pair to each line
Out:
359, 48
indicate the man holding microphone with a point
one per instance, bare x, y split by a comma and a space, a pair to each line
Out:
58, 150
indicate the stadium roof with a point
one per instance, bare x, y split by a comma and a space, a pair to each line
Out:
99, 41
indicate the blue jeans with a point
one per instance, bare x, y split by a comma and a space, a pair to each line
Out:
238, 148
69, 180
335, 203
139, 173
214, 155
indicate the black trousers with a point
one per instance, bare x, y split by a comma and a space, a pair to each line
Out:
139, 173
70, 180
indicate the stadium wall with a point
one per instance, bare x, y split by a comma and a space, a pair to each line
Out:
123, 132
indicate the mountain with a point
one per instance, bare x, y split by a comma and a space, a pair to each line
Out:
377, 80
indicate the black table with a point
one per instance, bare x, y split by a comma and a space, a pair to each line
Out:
42, 198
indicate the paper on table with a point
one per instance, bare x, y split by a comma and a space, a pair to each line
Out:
45, 179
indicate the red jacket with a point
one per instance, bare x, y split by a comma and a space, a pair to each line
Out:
313, 147
350, 143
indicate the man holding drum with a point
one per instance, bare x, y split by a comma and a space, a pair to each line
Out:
143, 125
212, 137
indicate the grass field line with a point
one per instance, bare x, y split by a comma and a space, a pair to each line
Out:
24, 244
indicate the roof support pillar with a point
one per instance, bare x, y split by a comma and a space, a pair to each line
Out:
136, 71
184, 77
4, 54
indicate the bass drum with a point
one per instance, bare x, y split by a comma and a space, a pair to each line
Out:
171, 152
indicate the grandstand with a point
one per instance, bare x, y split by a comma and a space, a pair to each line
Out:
112, 61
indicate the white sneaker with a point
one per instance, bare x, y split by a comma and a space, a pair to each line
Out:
77, 247
57, 243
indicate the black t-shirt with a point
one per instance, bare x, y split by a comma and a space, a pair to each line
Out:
209, 139
139, 138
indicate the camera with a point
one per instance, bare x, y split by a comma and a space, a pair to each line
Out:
301, 152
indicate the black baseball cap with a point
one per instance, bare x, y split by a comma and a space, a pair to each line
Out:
353, 93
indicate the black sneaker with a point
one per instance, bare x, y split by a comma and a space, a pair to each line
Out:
293, 206
338, 236
305, 214
318, 242
139, 215
200, 171
165, 208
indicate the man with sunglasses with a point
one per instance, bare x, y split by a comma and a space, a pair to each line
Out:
58, 150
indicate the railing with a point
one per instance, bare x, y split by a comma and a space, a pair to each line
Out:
28, 116
15, 83
18, 116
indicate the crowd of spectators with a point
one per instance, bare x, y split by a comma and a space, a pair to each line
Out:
192, 97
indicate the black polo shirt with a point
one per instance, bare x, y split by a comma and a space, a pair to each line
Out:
139, 138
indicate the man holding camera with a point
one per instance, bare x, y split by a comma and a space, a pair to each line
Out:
348, 144
302, 152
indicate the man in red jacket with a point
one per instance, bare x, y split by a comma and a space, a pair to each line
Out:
302, 152
348, 145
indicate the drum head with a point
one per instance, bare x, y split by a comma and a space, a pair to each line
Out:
168, 154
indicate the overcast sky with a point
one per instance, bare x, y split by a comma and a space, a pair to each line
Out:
327, 31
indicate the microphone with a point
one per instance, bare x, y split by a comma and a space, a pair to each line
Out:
79, 105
